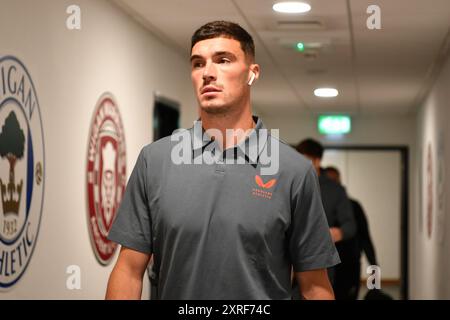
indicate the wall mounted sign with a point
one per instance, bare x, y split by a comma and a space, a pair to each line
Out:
106, 174
22, 170
334, 124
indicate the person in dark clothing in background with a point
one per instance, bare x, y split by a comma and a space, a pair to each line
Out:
335, 201
347, 274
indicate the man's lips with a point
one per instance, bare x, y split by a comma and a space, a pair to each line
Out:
209, 89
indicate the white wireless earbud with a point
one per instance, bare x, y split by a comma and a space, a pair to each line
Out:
252, 78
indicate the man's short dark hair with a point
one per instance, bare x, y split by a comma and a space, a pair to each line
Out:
310, 147
226, 29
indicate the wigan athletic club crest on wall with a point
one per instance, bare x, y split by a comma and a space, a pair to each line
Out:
22, 170
106, 174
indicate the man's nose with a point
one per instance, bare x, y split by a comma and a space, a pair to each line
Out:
209, 72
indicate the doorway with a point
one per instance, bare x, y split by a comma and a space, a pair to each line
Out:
377, 177
166, 117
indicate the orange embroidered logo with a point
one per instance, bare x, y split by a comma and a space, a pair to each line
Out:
266, 185
261, 192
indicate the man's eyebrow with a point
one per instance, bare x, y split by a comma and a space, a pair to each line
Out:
217, 53
224, 53
195, 56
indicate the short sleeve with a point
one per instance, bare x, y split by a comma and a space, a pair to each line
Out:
132, 226
310, 243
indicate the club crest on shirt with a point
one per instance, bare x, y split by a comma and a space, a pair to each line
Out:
22, 170
106, 174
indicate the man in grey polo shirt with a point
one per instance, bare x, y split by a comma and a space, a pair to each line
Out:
218, 230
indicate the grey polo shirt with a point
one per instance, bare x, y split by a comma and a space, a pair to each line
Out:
224, 231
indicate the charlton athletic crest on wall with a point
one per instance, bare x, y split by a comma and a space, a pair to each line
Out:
106, 174
22, 170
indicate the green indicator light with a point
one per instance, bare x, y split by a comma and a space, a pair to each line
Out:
334, 124
301, 46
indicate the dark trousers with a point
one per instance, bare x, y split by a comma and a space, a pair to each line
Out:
347, 281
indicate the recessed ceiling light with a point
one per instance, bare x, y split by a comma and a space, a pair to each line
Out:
326, 92
291, 7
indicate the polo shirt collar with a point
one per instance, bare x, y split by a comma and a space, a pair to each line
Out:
245, 148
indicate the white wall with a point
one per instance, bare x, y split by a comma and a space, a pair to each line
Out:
431, 260
70, 70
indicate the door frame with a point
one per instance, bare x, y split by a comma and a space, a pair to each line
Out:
404, 207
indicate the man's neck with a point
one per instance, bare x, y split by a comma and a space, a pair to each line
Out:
242, 121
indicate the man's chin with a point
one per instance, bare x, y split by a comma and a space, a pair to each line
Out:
215, 109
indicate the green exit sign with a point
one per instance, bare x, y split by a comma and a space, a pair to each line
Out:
334, 124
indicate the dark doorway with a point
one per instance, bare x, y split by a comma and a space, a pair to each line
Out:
166, 117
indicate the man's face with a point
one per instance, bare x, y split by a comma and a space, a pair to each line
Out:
333, 175
220, 72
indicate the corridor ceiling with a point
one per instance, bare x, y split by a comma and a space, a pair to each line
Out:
387, 70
